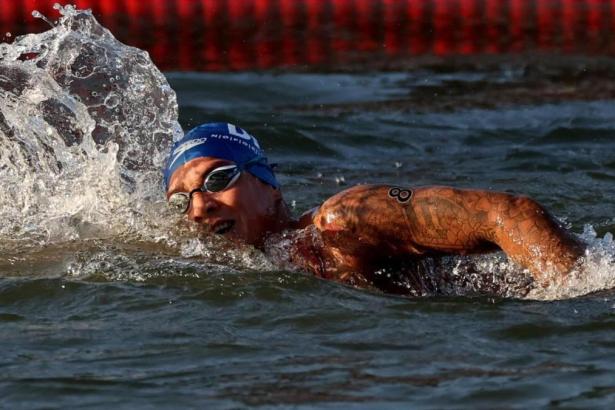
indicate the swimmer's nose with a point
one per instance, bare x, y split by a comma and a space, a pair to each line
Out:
202, 207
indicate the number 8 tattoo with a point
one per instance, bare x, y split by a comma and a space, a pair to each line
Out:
402, 195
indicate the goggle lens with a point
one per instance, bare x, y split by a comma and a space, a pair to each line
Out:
179, 202
220, 179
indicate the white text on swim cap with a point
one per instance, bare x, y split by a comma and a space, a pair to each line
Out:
185, 147
241, 133
236, 140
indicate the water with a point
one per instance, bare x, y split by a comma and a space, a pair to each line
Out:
105, 300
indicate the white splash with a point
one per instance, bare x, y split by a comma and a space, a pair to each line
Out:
596, 271
85, 124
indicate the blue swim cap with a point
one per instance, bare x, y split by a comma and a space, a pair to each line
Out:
224, 141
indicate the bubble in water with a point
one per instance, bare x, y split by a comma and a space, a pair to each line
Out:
112, 101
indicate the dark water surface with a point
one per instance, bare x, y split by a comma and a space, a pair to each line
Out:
207, 336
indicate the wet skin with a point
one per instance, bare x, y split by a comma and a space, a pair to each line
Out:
366, 225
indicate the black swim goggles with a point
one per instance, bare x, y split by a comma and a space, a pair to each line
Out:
217, 180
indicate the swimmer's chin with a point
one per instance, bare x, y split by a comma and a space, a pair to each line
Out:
230, 231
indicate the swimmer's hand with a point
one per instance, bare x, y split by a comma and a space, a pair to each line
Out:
379, 221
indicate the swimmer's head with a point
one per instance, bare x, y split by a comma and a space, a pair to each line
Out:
218, 175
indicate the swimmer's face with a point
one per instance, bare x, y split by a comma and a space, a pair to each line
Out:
245, 212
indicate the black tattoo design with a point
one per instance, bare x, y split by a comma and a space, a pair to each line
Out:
402, 195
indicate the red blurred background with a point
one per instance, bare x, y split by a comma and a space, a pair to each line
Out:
231, 35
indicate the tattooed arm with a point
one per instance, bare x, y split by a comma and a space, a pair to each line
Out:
442, 219
461, 220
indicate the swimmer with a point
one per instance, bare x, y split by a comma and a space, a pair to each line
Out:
219, 177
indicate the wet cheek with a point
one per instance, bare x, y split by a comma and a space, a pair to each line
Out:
252, 228
226, 199
243, 227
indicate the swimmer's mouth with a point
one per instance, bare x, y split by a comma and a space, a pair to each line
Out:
223, 227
